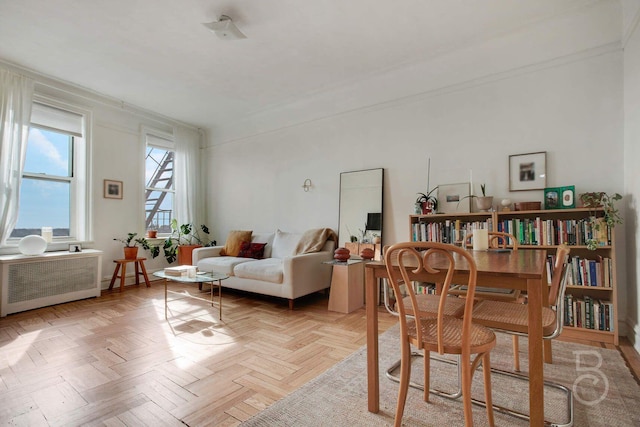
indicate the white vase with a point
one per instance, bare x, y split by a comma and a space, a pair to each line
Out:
484, 204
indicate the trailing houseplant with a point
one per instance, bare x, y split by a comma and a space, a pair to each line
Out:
594, 200
131, 243
185, 235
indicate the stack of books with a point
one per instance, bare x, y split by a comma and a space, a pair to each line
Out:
181, 271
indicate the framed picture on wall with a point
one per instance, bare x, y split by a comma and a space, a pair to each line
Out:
112, 189
454, 198
528, 171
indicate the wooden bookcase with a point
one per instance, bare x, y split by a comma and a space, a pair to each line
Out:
546, 229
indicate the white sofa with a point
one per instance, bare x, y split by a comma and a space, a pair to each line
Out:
281, 273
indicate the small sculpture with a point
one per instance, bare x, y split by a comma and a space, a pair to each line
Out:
341, 254
367, 254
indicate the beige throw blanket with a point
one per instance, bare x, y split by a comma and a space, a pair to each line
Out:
313, 240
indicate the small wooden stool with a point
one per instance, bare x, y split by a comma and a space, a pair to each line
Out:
140, 270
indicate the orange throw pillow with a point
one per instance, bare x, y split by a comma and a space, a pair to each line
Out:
234, 241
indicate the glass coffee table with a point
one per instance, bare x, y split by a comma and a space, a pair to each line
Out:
215, 279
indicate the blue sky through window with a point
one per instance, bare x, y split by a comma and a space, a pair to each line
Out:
45, 202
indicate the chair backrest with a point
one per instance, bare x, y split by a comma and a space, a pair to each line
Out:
558, 279
497, 239
405, 261
558, 288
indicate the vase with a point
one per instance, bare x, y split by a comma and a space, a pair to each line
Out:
185, 253
130, 252
341, 254
484, 204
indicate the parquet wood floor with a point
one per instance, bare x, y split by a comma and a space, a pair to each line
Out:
116, 361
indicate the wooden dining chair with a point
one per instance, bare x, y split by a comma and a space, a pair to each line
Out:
438, 332
514, 318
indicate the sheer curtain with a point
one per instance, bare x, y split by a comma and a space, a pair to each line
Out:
189, 198
16, 94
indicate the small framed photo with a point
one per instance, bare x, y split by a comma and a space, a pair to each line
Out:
454, 198
560, 197
112, 189
528, 171
75, 248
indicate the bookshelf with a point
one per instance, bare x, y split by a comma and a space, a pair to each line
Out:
591, 297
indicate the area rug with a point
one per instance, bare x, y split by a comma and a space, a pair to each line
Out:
605, 391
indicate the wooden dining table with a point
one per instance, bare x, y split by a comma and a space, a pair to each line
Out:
523, 269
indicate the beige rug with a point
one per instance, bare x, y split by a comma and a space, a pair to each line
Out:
606, 393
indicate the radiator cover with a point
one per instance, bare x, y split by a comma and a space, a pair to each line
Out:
52, 278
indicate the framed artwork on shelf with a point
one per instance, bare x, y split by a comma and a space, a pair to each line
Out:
454, 198
75, 248
528, 171
112, 189
560, 197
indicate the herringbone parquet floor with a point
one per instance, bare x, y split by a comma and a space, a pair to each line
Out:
116, 361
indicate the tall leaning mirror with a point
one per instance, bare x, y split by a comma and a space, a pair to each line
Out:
360, 220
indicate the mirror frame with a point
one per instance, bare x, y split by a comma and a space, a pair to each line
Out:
374, 182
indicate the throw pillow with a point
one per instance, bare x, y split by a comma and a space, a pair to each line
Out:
252, 250
234, 240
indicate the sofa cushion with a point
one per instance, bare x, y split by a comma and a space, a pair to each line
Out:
264, 238
234, 240
252, 250
268, 270
221, 264
284, 244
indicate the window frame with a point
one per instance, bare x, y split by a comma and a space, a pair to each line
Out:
165, 141
80, 212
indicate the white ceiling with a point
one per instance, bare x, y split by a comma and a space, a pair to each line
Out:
155, 54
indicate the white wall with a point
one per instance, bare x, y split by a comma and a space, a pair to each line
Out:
571, 108
632, 159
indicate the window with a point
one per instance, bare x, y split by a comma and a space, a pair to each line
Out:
51, 195
159, 195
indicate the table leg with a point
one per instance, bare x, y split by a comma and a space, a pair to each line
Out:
123, 275
220, 297
536, 363
144, 274
137, 267
373, 389
165, 298
115, 276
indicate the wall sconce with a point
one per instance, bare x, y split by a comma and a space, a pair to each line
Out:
307, 185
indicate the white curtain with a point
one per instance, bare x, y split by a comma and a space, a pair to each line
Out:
188, 202
16, 94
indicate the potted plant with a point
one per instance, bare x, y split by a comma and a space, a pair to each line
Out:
426, 203
594, 200
131, 244
484, 202
184, 238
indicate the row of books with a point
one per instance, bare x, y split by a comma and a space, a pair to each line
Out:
588, 313
537, 231
585, 272
448, 231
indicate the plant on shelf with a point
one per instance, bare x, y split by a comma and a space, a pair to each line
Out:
484, 203
607, 202
426, 203
131, 244
184, 235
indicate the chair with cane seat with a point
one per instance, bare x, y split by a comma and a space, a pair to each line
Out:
513, 318
438, 332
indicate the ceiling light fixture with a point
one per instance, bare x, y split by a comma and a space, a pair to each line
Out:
225, 29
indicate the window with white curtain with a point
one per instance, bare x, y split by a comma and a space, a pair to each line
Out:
53, 192
159, 182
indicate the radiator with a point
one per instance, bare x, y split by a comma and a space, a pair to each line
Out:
30, 282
